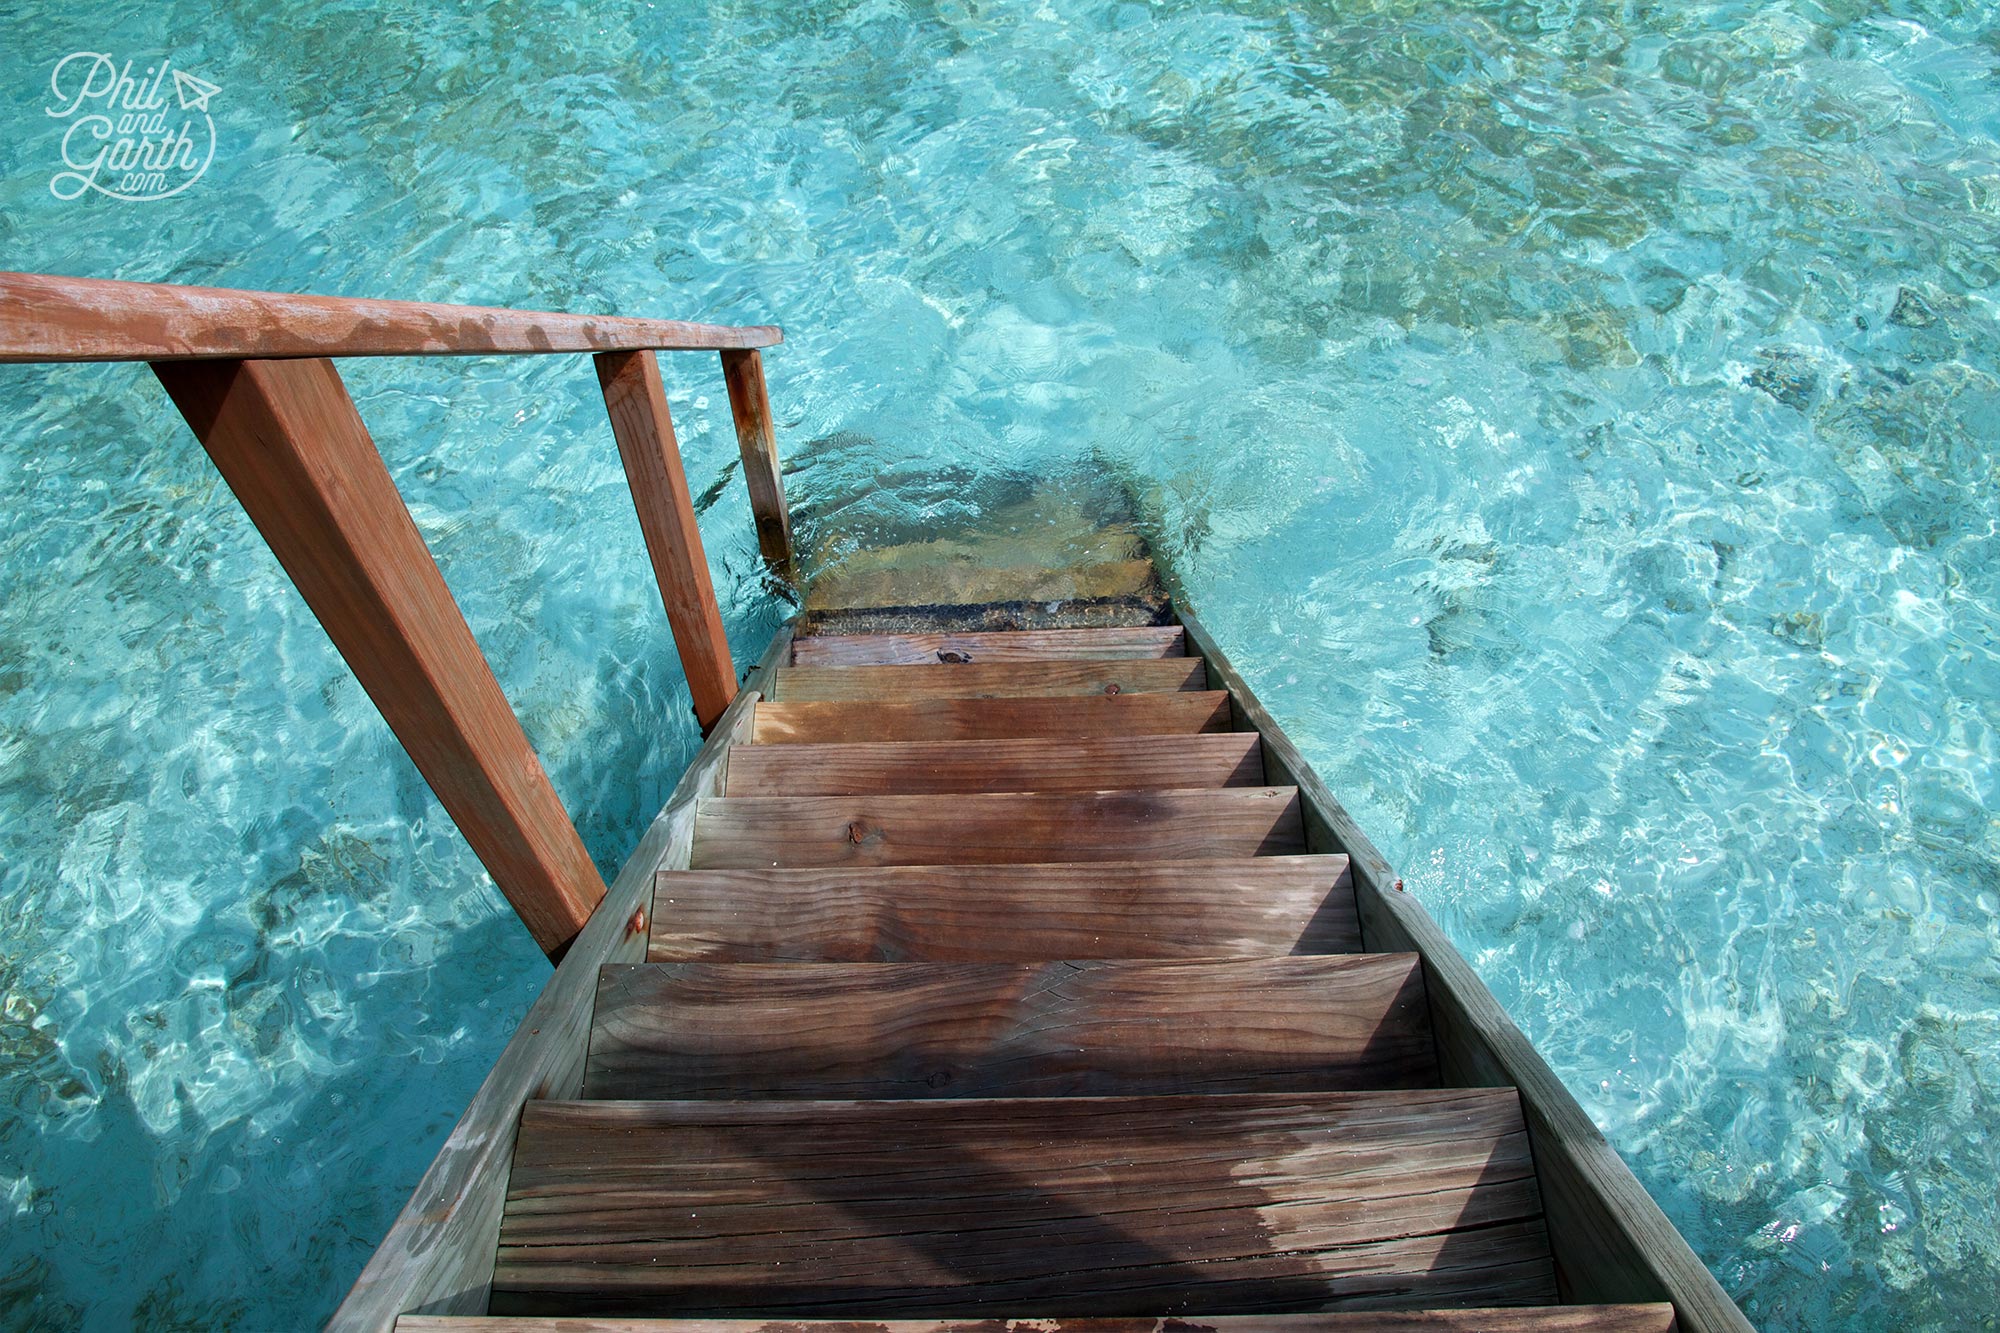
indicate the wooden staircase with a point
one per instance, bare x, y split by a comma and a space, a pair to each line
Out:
1006, 961
1001, 984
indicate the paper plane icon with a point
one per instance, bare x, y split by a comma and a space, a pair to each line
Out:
194, 93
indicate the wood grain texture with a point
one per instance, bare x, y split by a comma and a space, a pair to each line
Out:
993, 719
438, 1254
287, 439
978, 646
757, 441
1611, 1241
760, 832
842, 591
1517, 1319
1105, 1206
990, 680
1219, 759
1143, 609
50, 318
1139, 909
751, 1031
636, 399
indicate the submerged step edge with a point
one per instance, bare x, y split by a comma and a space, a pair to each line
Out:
753, 832
1045, 764
1656, 1318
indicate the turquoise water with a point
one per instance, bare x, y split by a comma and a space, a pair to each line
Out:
1578, 417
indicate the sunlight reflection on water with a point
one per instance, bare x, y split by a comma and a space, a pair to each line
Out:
1577, 423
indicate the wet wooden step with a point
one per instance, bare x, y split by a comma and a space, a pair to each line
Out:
1103, 763
761, 832
1007, 913
832, 1031
992, 719
1083, 1205
913, 578
980, 647
1492, 1319
989, 680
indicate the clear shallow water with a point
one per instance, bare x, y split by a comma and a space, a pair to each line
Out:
1578, 419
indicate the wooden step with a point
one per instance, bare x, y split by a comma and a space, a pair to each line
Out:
1082, 1205
977, 647
989, 680
993, 719
751, 1031
913, 768
1501, 1319
760, 832
913, 578
1007, 913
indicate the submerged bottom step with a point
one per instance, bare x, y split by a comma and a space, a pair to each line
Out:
1243, 1203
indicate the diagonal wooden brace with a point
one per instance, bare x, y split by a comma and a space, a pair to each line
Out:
636, 399
288, 440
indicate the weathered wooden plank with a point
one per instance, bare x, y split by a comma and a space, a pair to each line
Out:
1329, 828
48, 318
1106, 1028
1071, 1205
438, 1255
1000, 913
757, 832
1218, 759
287, 439
636, 399
988, 646
757, 441
1611, 1241
1086, 595
993, 719
990, 680
1516, 1319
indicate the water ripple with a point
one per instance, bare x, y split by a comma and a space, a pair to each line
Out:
1579, 420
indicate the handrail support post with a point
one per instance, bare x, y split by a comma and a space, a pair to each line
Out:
636, 399
756, 437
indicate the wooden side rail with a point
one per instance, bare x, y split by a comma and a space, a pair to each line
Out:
48, 318
250, 372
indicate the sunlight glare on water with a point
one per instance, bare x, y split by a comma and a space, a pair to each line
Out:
1577, 420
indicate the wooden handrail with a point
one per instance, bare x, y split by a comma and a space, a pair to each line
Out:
48, 318
251, 372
